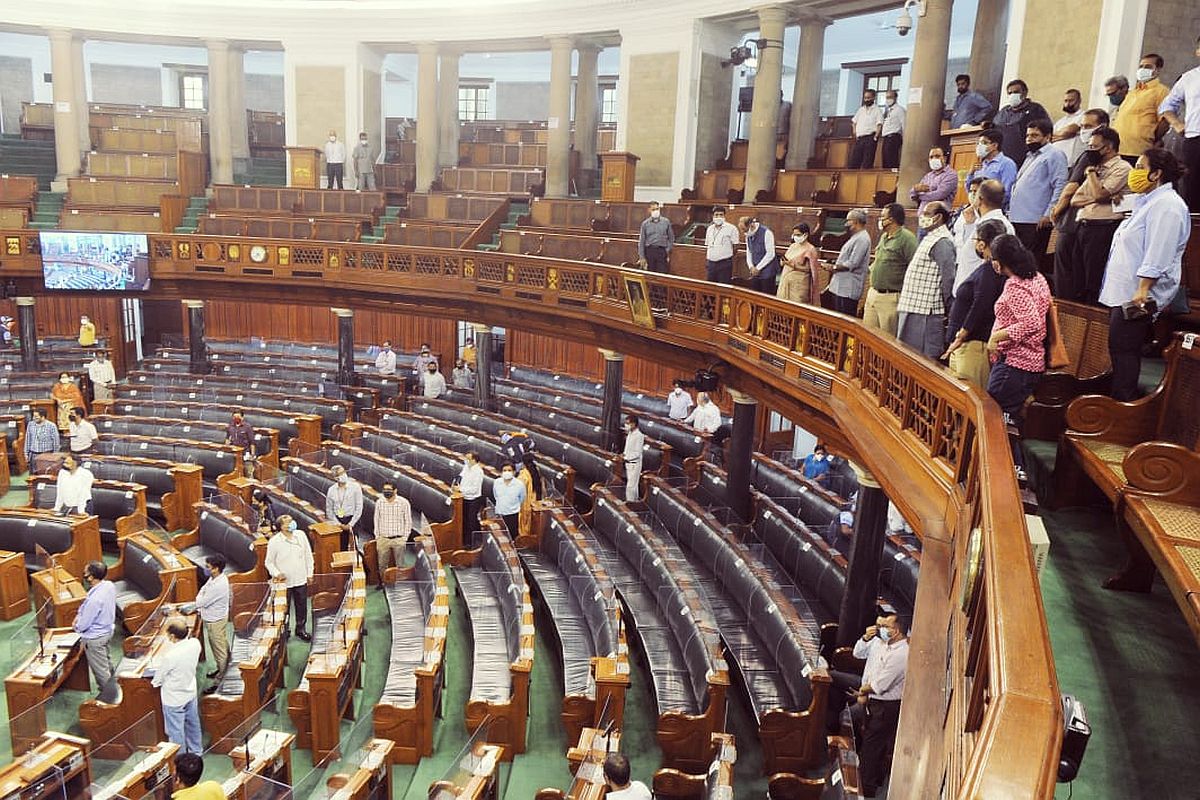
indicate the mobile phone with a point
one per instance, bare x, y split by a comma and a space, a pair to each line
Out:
1132, 311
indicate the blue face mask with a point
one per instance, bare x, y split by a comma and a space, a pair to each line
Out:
884, 634
292, 526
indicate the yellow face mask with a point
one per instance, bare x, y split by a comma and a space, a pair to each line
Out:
1139, 180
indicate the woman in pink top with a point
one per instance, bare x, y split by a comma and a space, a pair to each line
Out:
799, 280
1017, 346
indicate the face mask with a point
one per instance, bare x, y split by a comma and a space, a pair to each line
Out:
1092, 156
1139, 180
342, 479
506, 475
1033, 147
935, 164
237, 420
882, 224
629, 428
64, 381
1116, 98
718, 221
1014, 99
963, 89
677, 390
925, 222
1144, 74
1085, 134
655, 214
981, 150
333, 138
889, 102
389, 493
868, 103
819, 457
431, 371
884, 634
800, 238
83, 321
292, 526
1070, 108
362, 141
973, 198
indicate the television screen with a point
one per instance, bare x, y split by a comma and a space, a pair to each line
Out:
83, 261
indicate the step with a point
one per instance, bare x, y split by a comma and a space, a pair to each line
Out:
367, 239
43, 226
488, 246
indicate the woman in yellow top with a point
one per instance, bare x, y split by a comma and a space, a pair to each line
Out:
66, 396
533, 491
800, 269
87, 332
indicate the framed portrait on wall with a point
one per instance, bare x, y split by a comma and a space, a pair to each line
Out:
639, 301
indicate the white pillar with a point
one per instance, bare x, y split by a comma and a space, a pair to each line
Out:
1118, 44
987, 48
764, 118
587, 112
427, 115
558, 146
220, 151
238, 124
806, 92
81, 109
927, 89
66, 101
447, 107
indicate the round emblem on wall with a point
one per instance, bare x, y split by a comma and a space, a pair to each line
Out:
258, 254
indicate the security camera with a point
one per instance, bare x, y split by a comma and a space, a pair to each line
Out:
904, 22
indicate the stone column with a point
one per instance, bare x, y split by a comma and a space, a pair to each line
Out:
483, 366
220, 138
238, 125
866, 553
764, 117
927, 88
345, 325
67, 146
558, 146
197, 347
988, 48
27, 330
427, 115
81, 109
741, 446
610, 410
448, 108
806, 92
587, 115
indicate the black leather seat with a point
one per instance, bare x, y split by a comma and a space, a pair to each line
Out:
429, 500
155, 477
145, 404
331, 412
214, 463
806, 561
416, 454
19, 536
140, 579
178, 428
311, 484
410, 603
230, 538
493, 593
109, 503
805, 500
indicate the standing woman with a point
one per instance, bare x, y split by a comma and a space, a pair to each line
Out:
66, 396
973, 312
1018, 342
532, 479
800, 268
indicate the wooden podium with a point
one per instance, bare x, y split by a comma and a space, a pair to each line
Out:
617, 174
962, 156
304, 167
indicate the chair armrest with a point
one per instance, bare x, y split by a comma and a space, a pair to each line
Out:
1165, 470
1125, 423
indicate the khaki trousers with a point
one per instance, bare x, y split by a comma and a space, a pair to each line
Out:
389, 546
218, 644
880, 311
970, 363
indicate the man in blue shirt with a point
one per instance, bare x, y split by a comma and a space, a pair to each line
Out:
95, 619
1186, 93
816, 466
970, 108
508, 494
1040, 181
993, 164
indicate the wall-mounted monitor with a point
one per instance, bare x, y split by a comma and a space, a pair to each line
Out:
94, 261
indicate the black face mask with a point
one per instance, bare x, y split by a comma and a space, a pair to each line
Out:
1070, 109
1116, 98
1092, 157
1033, 147
868, 102
963, 89
388, 493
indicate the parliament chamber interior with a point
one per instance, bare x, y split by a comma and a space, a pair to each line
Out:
591, 374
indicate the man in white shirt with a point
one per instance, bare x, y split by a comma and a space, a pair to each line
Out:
385, 362
73, 488
212, 601
435, 382
508, 494
335, 161
290, 562
1066, 136
635, 441
344, 504
82, 432
868, 127
986, 202
720, 239
393, 526
892, 130
679, 402
884, 645
470, 483
101, 374
175, 677
616, 776
706, 418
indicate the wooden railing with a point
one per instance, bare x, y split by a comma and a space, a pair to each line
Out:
981, 716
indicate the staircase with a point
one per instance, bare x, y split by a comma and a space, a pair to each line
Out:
197, 207
48, 211
516, 210
263, 172
390, 215
28, 157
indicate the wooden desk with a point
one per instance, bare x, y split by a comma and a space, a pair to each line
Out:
59, 765
587, 763
153, 776
108, 724
36, 680
475, 777
60, 588
14, 585
270, 759
373, 773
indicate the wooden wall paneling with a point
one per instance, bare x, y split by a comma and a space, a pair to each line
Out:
58, 315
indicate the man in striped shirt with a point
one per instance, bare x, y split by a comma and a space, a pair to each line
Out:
40, 437
393, 524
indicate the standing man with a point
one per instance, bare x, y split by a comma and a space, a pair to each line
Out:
1040, 181
468, 351
892, 131
706, 418
41, 436
364, 163
892, 253
635, 441
719, 241
462, 376
868, 126
993, 163
1140, 124
435, 382
421, 364
101, 375
1014, 118
385, 362
940, 183
87, 332
470, 483
344, 503
1066, 274
290, 562
1067, 128
846, 285
175, 678
679, 402
1186, 92
1116, 89
94, 622
393, 526
212, 601
654, 240
508, 495
1106, 177
239, 434
928, 285
761, 258
986, 203
970, 107
73, 488
884, 645
82, 432
335, 161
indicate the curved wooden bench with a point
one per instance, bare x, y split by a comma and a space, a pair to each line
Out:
172, 489
120, 506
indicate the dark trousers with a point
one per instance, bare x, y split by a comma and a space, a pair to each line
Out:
719, 271
1191, 157
891, 150
471, 509
1010, 388
845, 305
513, 523
656, 259
333, 174
1092, 243
1068, 283
1036, 241
1125, 340
879, 737
863, 154
298, 597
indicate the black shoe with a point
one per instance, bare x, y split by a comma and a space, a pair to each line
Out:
214, 674
304, 637
210, 690
379, 587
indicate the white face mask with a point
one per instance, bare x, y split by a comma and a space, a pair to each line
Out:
925, 222
889, 101
506, 475
981, 150
718, 221
935, 164
1085, 134
655, 214
1014, 99
800, 238
64, 381
362, 141
882, 224
1144, 74
333, 138
342, 479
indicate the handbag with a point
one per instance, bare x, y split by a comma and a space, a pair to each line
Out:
1056, 349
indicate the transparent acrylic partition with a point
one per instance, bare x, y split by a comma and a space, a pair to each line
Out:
131, 748
475, 765
43, 657
359, 767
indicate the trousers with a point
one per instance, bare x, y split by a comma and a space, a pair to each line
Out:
970, 363
633, 478
892, 143
298, 597
879, 312
99, 660
218, 644
844, 305
1035, 240
333, 174
719, 271
656, 258
1010, 388
863, 154
1125, 340
366, 180
471, 509
389, 547
183, 726
1191, 157
879, 737
1092, 243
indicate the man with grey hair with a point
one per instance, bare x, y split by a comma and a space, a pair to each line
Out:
846, 285
1115, 89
